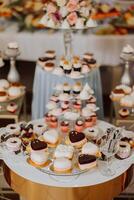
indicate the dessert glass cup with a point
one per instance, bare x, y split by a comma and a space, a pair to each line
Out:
105, 163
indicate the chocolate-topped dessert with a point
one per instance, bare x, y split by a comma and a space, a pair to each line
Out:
75, 136
118, 91
126, 139
43, 59
2, 93
92, 61
86, 159
38, 145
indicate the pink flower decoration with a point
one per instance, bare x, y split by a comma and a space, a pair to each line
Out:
72, 18
51, 8
56, 17
72, 5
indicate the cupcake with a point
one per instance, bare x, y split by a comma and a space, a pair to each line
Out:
123, 112
117, 94
64, 105
12, 107
124, 150
67, 67
39, 128
88, 122
53, 122
66, 88
77, 139
77, 87
91, 133
127, 90
38, 154
77, 104
92, 63
77, 66
64, 151
3, 96
50, 54
49, 66
87, 57
79, 125
62, 165
64, 126
86, 161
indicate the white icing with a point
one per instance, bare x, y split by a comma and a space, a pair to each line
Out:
64, 151
15, 130
51, 105
51, 136
64, 97
62, 164
90, 148
86, 112
71, 116
39, 157
92, 107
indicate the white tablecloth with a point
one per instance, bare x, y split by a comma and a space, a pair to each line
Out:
44, 83
106, 48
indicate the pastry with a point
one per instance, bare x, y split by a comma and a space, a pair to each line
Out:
84, 95
3, 96
64, 126
92, 107
91, 133
88, 122
117, 94
67, 67
77, 66
14, 91
4, 84
51, 105
71, 115
62, 165
125, 88
64, 105
50, 54
124, 150
92, 99
127, 101
56, 112
77, 139
77, 104
86, 161
87, 57
39, 128
13, 144
54, 98
47, 117
92, 63
51, 136
13, 129
123, 112
66, 88
38, 152
49, 66
64, 151
86, 112
62, 60
64, 97
42, 61
53, 122
90, 148
79, 125
77, 87
12, 107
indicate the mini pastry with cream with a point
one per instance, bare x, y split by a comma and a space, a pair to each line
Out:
62, 165
124, 150
91, 149
123, 112
77, 104
76, 66
12, 107
77, 139
79, 125
3, 96
49, 66
14, 91
38, 152
42, 61
67, 67
86, 161
13, 144
88, 122
92, 133
64, 126
51, 136
50, 54
127, 90
117, 94
51, 105
39, 128
53, 122
13, 129
92, 63
47, 117
66, 88
64, 151
87, 56
64, 105
77, 87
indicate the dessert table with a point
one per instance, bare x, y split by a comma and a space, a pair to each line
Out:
106, 48
32, 184
44, 83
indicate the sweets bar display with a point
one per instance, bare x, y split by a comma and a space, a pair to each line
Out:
75, 68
